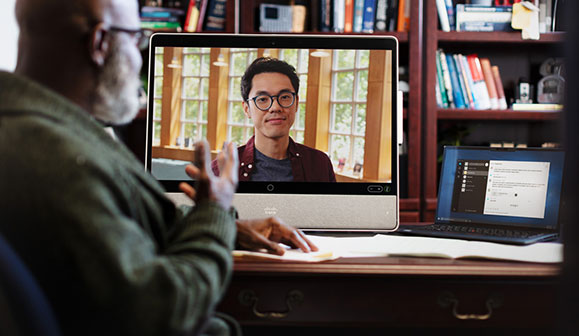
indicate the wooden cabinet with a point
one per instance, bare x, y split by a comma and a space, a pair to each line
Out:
516, 58
379, 294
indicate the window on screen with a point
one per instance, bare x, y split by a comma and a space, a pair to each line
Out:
197, 95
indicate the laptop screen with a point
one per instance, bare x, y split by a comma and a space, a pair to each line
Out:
508, 186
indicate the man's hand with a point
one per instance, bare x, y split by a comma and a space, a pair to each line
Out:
267, 233
208, 186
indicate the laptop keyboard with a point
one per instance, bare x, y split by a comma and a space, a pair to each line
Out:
479, 230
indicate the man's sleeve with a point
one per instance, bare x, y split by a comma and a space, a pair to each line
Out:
123, 274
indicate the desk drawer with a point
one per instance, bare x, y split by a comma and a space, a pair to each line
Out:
338, 300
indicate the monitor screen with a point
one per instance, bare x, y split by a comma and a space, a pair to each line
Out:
515, 186
314, 119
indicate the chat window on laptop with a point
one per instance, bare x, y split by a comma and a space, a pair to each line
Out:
338, 112
506, 188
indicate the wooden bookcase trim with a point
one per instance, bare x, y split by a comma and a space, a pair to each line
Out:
497, 37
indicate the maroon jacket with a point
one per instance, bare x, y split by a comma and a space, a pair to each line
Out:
308, 164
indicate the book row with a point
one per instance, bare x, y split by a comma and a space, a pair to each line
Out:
466, 17
467, 81
360, 16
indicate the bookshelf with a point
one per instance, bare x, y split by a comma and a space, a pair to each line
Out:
516, 58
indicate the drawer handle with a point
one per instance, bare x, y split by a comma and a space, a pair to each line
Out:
447, 299
249, 298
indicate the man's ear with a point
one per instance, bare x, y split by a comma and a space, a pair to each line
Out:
246, 109
98, 45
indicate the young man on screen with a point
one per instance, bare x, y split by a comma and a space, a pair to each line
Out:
269, 89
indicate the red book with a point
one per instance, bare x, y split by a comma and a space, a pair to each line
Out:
490, 81
499, 84
192, 17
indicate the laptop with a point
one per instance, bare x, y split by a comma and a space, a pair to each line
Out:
503, 195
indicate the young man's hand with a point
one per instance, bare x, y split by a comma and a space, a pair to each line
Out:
208, 186
267, 233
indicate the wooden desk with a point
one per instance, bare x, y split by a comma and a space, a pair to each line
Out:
389, 292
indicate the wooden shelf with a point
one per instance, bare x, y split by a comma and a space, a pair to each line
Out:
466, 114
498, 37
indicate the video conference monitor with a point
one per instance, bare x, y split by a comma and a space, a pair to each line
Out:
318, 145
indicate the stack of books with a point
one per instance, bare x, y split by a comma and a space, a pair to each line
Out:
469, 82
190, 16
162, 18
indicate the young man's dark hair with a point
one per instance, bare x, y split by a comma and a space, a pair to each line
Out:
267, 64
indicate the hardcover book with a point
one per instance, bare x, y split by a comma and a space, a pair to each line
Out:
368, 20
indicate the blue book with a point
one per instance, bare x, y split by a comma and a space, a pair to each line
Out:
358, 15
326, 15
450, 13
215, 20
456, 89
368, 17
462, 82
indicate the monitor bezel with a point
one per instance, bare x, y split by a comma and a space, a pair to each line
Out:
288, 41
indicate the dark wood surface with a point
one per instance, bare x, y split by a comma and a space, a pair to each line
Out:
465, 114
381, 293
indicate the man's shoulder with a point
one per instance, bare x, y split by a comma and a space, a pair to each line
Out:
310, 152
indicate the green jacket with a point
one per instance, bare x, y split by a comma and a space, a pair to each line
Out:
112, 253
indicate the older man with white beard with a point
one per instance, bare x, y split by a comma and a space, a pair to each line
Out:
113, 254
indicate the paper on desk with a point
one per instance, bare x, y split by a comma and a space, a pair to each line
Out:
292, 255
439, 247
384, 245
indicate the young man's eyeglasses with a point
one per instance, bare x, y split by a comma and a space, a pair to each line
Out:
264, 102
141, 36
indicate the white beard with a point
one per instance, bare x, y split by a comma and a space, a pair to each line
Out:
116, 100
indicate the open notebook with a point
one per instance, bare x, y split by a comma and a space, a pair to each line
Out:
505, 195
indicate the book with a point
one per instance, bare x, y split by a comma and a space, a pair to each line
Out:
537, 107
358, 15
483, 18
438, 95
298, 18
202, 12
490, 82
349, 16
456, 89
313, 15
468, 102
368, 18
499, 84
479, 86
450, 14
326, 15
392, 15
215, 20
470, 81
161, 25
192, 17
440, 84
465, 81
441, 56
380, 15
339, 15
403, 16
442, 15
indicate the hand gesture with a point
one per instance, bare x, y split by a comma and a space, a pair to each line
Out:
208, 186
268, 233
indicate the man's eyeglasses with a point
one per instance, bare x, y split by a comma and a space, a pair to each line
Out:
284, 99
141, 36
